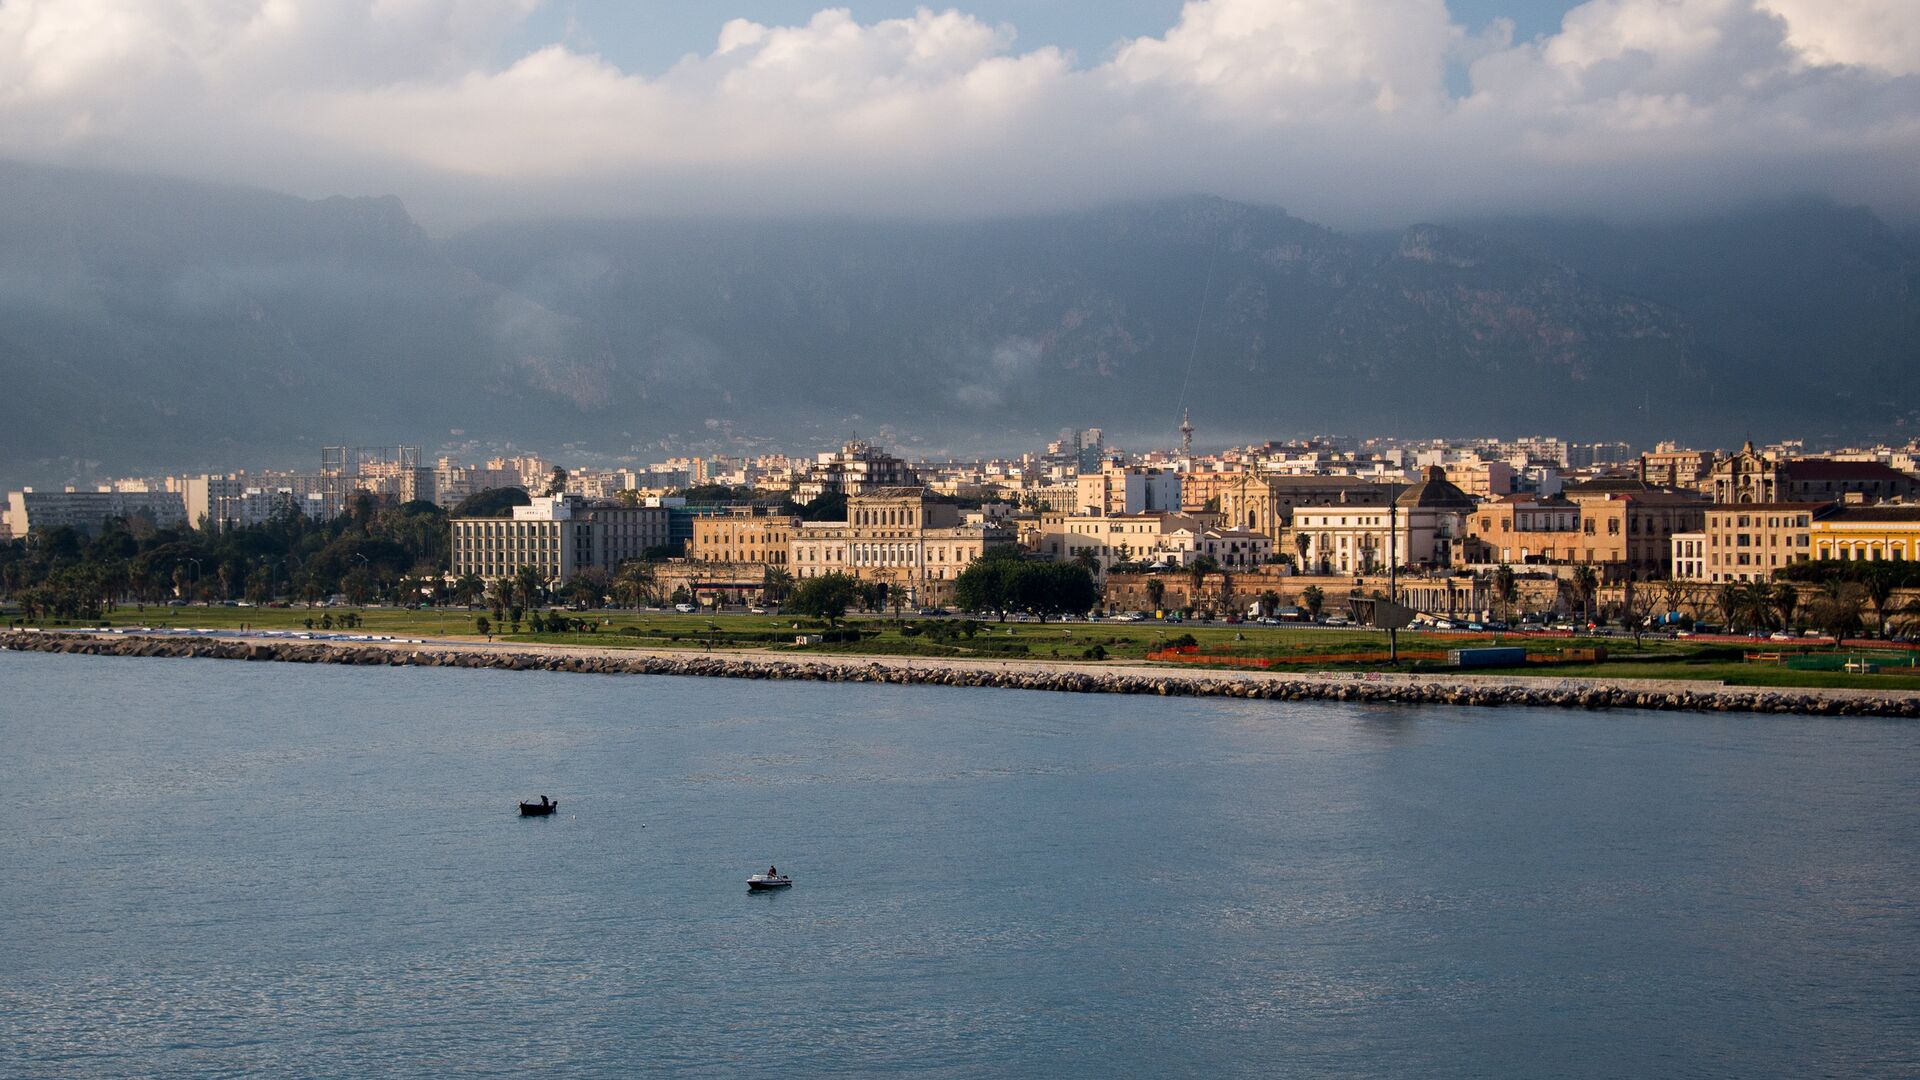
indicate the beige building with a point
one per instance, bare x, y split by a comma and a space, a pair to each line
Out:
744, 535
1748, 542
899, 537
1266, 503
1128, 489
28, 510
1753, 477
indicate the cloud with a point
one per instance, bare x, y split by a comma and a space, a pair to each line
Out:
1348, 111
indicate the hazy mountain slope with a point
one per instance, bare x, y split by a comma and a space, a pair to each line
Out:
147, 324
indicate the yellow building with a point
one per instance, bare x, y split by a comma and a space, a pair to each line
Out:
746, 535
1868, 534
900, 537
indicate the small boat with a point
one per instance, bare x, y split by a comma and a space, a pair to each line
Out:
763, 882
543, 808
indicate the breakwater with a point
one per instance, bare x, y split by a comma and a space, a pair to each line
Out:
1380, 689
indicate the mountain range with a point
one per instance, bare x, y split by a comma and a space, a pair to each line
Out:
152, 324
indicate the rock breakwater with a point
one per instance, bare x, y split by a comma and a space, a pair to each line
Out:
1408, 690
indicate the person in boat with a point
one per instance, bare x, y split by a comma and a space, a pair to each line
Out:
544, 802
773, 872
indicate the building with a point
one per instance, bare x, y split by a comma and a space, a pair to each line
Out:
743, 535
1748, 542
899, 537
1128, 489
1105, 540
1265, 503
1868, 534
559, 536
857, 468
1423, 527
1752, 477
1630, 533
1521, 530
1481, 479
1689, 558
1671, 467
28, 510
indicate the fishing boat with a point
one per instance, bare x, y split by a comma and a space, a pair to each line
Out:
764, 882
543, 808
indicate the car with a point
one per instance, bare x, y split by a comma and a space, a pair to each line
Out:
1782, 635
756, 610
685, 609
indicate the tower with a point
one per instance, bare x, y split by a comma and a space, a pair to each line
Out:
1186, 431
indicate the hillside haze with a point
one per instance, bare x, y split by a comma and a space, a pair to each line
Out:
151, 324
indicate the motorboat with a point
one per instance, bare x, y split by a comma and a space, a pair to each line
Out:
543, 808
764, 882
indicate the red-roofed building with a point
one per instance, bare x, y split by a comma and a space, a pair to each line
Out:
1752, 477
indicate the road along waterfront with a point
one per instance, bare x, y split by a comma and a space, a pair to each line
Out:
1081, 677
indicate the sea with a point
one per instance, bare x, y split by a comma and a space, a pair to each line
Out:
214, 869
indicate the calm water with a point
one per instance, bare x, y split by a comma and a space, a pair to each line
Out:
241, 869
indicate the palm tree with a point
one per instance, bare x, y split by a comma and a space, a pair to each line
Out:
1587, 580
1156, 592
1269, 602
775, 584
636, 582
526, 581
1197, 572
1785, 600
1506, 587
1304, 543
1732, 602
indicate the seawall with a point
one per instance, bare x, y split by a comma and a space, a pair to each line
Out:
1090, 679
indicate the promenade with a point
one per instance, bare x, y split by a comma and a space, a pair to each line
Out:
1045, 675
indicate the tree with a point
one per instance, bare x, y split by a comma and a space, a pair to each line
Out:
1269, 602
1586, 581
1304, 543
775, 584
1197, 572
557, 481
636, 582
825, 597
1506, 589
493, 502
483, 626
1156, 592
1786, 600
1047, 589
1314, 600
527, 585
1729, 599
987, 582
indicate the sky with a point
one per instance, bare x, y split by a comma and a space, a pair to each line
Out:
1350, 112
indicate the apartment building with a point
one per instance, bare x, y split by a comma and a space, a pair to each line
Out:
1748, 542
559, 536
28, 510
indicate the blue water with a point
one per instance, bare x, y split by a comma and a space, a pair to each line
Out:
233, 869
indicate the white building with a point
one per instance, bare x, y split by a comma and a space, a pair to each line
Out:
1422, 528
1689, 556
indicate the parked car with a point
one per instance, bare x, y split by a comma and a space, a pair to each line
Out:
684, 609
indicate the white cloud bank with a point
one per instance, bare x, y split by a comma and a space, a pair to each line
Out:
1345, 110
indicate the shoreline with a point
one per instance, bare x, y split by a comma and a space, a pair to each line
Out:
1054, 676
